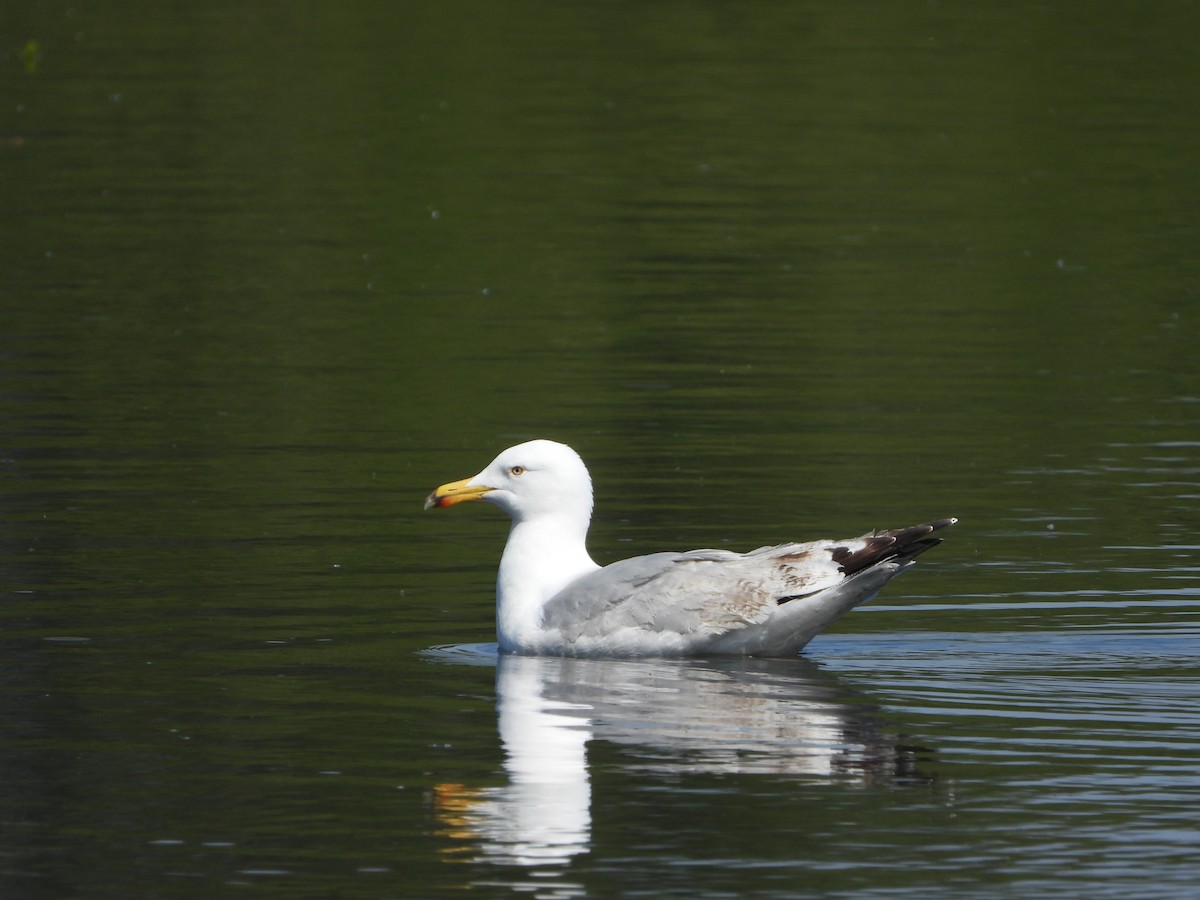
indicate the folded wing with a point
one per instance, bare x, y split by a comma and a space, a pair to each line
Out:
703, 595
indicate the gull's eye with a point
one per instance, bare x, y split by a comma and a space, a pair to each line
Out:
517, 470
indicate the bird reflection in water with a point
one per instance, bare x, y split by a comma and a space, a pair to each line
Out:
749, 716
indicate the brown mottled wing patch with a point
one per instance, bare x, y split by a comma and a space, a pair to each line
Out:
900, 543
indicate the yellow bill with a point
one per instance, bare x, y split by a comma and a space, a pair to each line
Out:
455, 492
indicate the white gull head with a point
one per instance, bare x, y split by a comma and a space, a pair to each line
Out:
547, 492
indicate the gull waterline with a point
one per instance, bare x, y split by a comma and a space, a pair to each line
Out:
552, 599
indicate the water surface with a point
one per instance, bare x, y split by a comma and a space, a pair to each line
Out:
778, 272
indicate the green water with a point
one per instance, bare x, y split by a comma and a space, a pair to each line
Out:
778, 271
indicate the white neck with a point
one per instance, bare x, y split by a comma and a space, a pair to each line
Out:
543, 555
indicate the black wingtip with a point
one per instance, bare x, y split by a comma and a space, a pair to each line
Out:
899, 543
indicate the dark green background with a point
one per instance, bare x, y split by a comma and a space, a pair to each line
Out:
268, 273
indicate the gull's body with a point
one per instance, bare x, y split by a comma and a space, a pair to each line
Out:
552, 599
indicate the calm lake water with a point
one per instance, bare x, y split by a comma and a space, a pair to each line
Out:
778, 271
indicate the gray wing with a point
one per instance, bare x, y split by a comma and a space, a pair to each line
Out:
698, 593
708, 593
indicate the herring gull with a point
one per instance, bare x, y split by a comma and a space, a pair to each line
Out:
552, 599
